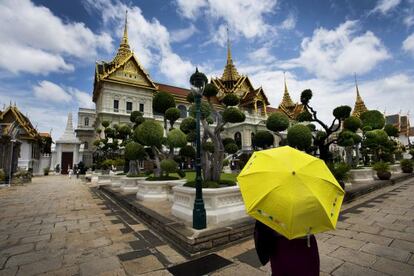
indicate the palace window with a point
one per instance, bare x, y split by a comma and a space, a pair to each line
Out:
128, 107
85, 145
238, 139
86, 121
116, 105
183, 111
141, 107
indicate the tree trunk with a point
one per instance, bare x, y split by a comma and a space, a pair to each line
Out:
356, 161
348, 155
133, 167
157, 170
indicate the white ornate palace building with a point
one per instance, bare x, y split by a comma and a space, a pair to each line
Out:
122, 86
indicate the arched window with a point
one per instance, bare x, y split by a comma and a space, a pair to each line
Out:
85, 145
238, 139
183, 111
86, 121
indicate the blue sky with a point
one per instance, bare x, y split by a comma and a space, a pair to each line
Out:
48, 49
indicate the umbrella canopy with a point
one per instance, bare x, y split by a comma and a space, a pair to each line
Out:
290, 191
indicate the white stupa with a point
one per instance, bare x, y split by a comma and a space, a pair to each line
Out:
66, 152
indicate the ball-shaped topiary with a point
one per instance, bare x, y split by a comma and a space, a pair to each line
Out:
205, 110
342, 112
373, 118
176, 138
346, 138
231, 100
300, 137
134, 151
149, 133
162, 101
312, 127
191, 136
188, 125
124, 131
263, 139
134, 115
233, 115
306, 96
109, 132
391, 130
169, 166
210, 90
352, 123
228, 140
231, 148
210, 120
304, 116
172, 114
188, 151
105, 124
277, 122
208, 146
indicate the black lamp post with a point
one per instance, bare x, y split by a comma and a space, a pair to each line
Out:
198, 81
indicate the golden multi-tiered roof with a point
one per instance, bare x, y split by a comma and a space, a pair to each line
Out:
124, 68
230, 73
359, 106
287, 106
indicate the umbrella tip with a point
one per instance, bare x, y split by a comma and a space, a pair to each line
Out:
293, 172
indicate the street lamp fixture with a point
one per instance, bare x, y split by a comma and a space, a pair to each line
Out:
198, 81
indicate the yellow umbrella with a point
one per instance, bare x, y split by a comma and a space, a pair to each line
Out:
290, 191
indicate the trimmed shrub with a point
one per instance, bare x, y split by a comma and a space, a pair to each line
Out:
373, 118
300, 137
162, 101
208, 146
149, 133
169, 166
406, 166
231, 148
277, 122
176, 138
304, 116
233, 115
188, 125
263, 139
342, 112
391, 130
231, 100
188, 151
352, 123
210, 90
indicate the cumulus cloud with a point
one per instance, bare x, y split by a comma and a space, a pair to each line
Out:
408, 44
183, 34
289, 23
334, 54
49, 91
262, 54
38, 41
243, 17
385, 6
150, 40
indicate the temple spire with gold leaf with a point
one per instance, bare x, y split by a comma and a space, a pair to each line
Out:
359, 106
230, 73
124, 50
286, 100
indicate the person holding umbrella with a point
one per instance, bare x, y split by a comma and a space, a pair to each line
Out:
293, 196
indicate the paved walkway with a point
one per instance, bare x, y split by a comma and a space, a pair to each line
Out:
59, 226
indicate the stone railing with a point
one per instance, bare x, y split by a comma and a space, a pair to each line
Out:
157, 190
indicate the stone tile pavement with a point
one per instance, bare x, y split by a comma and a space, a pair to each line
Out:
58, 226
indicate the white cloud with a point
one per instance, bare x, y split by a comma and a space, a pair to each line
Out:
84, 99
183, 34
408, 44
334, 54
37, 35
384, 6
190, 8
409, 20
243, 17
149, 39
262, 54
289, 23
49, 91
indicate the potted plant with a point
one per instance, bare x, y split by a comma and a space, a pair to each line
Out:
406, 166
341, 172
45, 171
383, 170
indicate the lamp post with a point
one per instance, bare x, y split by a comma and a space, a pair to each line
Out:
198, 81
11, 160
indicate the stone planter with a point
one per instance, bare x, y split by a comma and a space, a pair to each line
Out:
222, 204
365, 174
116, 181
396, 168
104, 179
157, 190
129, 185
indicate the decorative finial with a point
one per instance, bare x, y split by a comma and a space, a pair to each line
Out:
228, 46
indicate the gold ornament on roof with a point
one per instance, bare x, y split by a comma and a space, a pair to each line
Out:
230, 72
286, 100
359, 106
124, 50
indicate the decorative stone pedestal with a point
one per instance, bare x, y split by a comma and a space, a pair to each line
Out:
157, 190
396, 168
104, 179
116, 181
222, 204
129, 185
365, 174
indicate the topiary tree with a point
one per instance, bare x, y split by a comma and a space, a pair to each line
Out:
136, 118
172, 114
134, 152
300, 137
169, 166
324, 140
175, 139
161, 102
212, 163
350, 140
188, 152
151, 134
391, 130
373, 119
277, 122
263, 139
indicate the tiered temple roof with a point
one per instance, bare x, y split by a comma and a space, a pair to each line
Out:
12, 119
359, 106
287, 106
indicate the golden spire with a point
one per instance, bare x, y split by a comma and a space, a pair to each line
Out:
124, 50
230, 72
359, 106
286, 100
